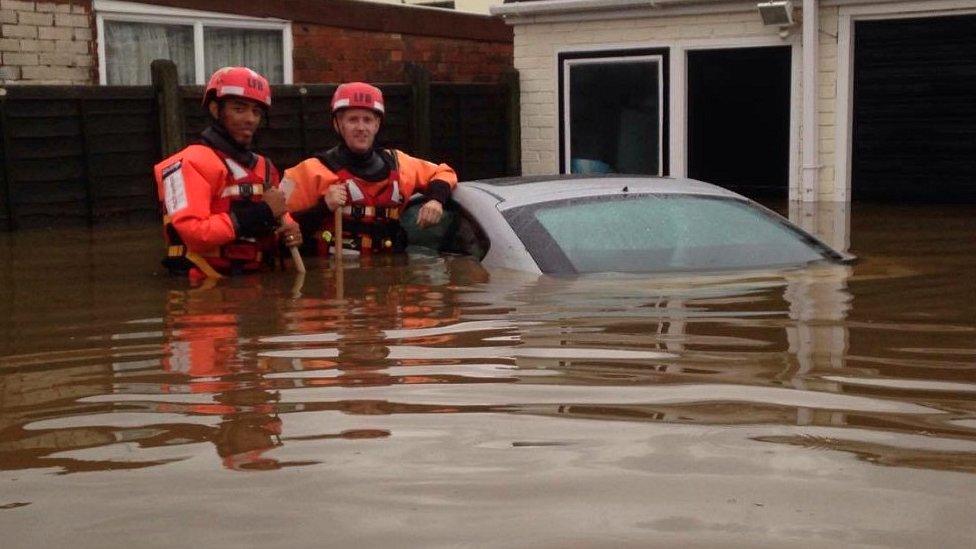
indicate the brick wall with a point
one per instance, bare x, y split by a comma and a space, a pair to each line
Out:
330, 54
537, 45
50, 42
46, 42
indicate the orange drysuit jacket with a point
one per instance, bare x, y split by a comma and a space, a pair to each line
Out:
307, 182
197, 186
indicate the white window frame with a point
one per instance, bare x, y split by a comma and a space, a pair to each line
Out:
594, 57
847, 17
679, 97
114, 10
678, 91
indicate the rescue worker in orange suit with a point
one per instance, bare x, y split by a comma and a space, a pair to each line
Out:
371, 185
224, 210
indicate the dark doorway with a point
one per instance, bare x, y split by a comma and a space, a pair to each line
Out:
739, 119
914, 122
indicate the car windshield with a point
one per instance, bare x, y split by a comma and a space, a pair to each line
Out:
644, 232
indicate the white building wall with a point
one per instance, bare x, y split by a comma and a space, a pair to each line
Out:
537, 46
467, 6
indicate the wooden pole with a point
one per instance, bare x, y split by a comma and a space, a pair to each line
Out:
90, 191
337, 227
8, 182
165, 82
419, 80
296, 259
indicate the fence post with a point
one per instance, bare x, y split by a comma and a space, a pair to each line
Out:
302, 119
165, 82
90, 191
419, 80
513, 158
8, 183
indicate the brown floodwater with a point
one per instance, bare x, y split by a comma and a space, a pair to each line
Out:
435, 404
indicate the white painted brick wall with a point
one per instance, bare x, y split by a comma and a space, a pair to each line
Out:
19, 31
45, 43
16, 5
70, 20
537, 45
827, 189
36, 19
37, 45
55, 33
52, 7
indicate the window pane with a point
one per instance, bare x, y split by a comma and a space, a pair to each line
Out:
260, 50
614, 117
131, 47
643, 233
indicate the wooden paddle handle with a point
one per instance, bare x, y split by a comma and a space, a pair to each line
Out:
337, 238
296, 258
337, 227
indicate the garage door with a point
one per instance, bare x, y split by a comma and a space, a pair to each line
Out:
914, 132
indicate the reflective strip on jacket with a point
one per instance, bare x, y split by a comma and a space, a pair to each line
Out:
307, 182
196, 187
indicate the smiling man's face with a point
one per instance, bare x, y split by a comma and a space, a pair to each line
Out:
239, 117
358, 128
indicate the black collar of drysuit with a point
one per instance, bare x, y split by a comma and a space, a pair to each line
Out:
217, 137
373, 165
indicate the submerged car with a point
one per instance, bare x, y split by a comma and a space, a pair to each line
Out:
570, 224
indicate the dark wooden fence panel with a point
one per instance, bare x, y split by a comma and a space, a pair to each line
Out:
469, 129
85, 154
76, 154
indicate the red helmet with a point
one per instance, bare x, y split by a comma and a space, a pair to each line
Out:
238, 82
358, 95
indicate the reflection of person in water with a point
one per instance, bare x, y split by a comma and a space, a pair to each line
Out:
203, 335
247, 434
384, 308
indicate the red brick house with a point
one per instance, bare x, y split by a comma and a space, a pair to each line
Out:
296, 41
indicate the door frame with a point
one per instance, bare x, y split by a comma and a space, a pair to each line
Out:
679, 85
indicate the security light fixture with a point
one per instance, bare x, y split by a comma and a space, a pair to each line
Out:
776, 12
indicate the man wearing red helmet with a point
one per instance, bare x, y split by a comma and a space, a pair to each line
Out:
223, 207
372, 186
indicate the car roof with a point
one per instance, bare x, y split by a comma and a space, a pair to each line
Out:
511, 192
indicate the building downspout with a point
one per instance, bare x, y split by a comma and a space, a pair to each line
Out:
811, 142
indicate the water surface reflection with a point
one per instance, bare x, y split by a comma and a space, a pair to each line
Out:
826, 405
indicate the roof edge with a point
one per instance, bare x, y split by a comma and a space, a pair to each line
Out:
549, 7
368, 16
544, 9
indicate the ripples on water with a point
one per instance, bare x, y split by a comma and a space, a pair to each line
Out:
436, 404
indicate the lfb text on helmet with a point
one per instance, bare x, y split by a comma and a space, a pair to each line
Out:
255, 83
363, 97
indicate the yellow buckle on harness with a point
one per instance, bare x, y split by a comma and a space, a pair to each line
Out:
195, 258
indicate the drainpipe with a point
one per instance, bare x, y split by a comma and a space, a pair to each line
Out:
811, 140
